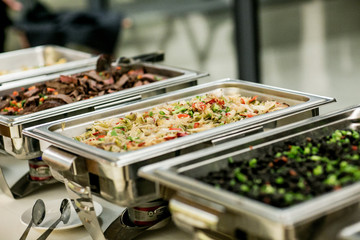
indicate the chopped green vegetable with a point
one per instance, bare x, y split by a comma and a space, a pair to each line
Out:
244, 188
318, 170
252, 163
241, 177
279, 180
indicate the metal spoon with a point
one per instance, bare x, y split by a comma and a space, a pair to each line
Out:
65, 216
37, 216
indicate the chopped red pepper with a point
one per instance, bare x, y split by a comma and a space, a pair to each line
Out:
169, 138
15, 93
249, 115
41, 99
218, 101
100, 136
141, 144
96, 133
211, 101
196, 125
354, 148
199, 105
181, 134
50, 89
177, 129
183, 115
253, 99
242, 100
292, 172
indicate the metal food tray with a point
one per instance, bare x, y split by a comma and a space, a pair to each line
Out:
35, 57
23, 147
199, 205
114, 177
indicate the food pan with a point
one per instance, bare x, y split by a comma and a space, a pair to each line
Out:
113, 176
200, 205
26, 148
30, 62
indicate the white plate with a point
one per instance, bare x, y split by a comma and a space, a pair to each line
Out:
53, 213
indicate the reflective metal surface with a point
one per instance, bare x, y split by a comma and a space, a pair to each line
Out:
232, 214
35, 60
81, 200
114, 177
26, 148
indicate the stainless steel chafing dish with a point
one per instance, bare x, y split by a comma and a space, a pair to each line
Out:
113, 176
40, 61
197, 205
23, 147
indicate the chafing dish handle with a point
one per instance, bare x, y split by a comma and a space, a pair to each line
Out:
350, 233
121, 101
58, 159
190, 214
235, 135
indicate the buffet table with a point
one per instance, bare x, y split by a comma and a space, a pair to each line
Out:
11, 210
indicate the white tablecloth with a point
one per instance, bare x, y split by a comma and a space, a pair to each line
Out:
11, 210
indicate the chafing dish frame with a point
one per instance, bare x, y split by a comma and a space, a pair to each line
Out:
23, 147
114, 175
35, 56
219, 210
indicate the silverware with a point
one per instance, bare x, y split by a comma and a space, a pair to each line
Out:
37, 216
64, 217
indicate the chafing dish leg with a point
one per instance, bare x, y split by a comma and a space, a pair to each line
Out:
26, 185
81, 199
124, 228
4, 185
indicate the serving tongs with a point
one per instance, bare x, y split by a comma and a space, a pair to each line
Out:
104, 61
147, 57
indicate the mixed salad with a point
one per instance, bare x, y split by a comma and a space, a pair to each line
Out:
174, 120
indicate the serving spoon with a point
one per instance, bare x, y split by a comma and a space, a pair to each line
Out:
64, 217
37, 216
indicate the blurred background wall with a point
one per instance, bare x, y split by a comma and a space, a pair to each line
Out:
305, 45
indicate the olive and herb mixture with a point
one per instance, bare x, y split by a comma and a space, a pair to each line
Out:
293, 173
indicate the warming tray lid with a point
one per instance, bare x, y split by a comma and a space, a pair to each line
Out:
168, 173
130, 94
51, 132
13, 61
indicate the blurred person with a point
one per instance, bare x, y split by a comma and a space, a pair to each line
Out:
5, 20
97, 29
